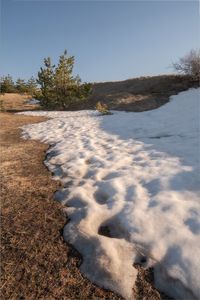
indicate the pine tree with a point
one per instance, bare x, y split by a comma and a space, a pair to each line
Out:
46, 81
7, 84
31, 86
20, 86
58, 85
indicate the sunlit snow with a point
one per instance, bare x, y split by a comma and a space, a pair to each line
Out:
131, 190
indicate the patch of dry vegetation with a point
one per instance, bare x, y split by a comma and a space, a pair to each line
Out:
138, 94
16, 102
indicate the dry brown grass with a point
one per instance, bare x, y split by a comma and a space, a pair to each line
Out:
16, 102
36, 262
138, 94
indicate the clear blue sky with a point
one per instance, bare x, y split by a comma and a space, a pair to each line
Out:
111, 40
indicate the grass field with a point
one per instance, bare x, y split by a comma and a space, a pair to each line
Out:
16, 102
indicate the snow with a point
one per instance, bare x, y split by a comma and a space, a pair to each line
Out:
134, 176
32, 101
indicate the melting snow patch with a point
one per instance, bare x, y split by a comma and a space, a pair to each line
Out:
32, 101
131, 189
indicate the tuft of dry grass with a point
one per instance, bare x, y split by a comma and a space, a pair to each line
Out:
144, 285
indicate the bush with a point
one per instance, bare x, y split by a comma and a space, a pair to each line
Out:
189, 64
102, 108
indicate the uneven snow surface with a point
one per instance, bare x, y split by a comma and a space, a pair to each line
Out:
131, 190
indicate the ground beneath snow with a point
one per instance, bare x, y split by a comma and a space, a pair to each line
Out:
131, 190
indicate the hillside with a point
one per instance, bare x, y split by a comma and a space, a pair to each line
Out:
138, 94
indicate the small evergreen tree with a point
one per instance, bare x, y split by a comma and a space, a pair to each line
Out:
58, 85
31, 86
7, 84
20, 86
46, 81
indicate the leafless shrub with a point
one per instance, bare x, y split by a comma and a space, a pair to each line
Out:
189, 64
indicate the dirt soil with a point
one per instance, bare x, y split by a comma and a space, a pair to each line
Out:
36, 263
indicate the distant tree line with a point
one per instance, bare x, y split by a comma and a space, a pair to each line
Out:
55, 87
7, 85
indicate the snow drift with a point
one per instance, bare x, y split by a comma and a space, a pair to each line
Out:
131, 190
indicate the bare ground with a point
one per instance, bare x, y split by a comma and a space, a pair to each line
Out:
36, 262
